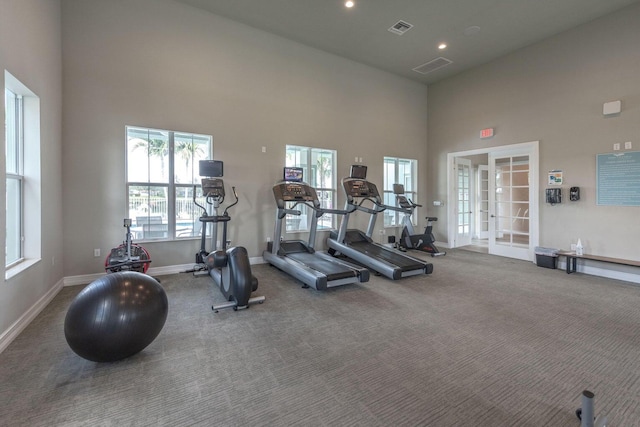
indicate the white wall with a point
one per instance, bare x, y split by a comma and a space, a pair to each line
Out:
165, 65
552, 91
30, 49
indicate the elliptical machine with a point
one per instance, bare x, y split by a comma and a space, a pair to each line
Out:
128, 256
409, 239
229, 268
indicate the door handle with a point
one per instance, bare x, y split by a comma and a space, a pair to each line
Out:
493, 216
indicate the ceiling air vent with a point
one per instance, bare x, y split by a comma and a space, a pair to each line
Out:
400, 27
432, 65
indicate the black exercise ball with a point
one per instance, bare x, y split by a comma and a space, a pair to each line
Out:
116, 316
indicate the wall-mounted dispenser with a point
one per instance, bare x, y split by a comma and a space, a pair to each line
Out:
554, 196
574, 194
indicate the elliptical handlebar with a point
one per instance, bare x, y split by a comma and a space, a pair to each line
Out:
232, 204
204, 210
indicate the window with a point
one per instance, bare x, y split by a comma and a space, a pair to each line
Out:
162, 169
319, 172
22, 176
13, 138
398, 171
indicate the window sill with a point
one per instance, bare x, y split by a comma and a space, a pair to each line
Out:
19, 268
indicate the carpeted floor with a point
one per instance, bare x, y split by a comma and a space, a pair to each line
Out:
483, 341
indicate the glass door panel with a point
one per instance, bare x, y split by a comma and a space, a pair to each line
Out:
509, 223
482, 219
463, 207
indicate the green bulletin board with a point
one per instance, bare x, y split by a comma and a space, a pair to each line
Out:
618, 179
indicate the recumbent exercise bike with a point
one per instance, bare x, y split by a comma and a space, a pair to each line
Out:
409, 239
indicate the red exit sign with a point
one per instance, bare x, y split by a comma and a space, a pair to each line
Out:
486, 133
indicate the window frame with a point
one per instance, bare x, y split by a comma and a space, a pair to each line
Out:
411, 192
30, 215
14, 138
171, 186
306, 165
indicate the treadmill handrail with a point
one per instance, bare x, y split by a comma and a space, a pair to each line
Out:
285, 212
318, 210
336, 211
377, 207
400, 209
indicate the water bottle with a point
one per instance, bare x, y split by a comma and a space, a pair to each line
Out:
579, 248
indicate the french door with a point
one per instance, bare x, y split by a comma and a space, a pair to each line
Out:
512, 189
482, 202
464, 211
512, 208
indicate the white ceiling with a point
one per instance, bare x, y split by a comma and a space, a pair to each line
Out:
361, 33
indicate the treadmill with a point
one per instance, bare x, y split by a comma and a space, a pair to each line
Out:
298, 258
359, 246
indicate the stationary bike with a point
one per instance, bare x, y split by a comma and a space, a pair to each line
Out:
409, 239
229, 268
128, 256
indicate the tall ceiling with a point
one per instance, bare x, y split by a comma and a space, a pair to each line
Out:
475, 31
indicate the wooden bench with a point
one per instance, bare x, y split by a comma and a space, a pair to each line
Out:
572, 259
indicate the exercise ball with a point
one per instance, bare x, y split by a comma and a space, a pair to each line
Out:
116, 316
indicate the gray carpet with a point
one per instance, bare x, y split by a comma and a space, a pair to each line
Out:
483, 341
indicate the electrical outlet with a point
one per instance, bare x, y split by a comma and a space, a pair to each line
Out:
96, 252
268, 239
383, 232
616, 146
628, 145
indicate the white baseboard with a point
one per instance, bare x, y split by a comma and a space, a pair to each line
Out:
257, 260
19, 325
82, 279
153, 271
442, 245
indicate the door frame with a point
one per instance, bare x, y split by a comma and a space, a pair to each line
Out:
533, 149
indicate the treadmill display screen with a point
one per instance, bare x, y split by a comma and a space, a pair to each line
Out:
293, 174
358, 171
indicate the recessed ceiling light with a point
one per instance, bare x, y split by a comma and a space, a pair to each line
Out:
349, 3
442, 46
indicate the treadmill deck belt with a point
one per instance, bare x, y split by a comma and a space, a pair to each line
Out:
332, 270
375, 251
